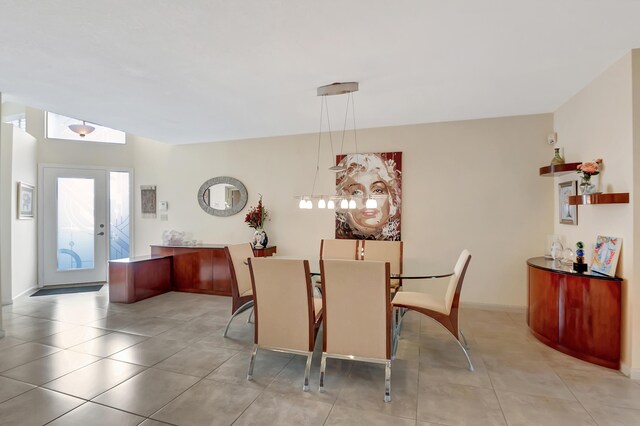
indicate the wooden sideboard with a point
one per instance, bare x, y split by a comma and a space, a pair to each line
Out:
138, 278
578, 314
203, 268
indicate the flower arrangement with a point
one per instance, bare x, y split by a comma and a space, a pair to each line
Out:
257, 216
586, 170
590, 168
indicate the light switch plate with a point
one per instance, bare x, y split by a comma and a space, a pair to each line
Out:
163, 206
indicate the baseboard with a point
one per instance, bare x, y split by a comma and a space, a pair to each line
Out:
493, 307
29, 290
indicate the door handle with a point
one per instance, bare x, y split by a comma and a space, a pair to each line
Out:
100, 233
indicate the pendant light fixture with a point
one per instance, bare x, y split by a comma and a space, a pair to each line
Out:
82, 129
324, 201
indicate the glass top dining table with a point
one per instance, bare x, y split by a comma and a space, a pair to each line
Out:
412, 269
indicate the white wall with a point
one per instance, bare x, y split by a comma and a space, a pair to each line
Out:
2, 208
470, 184
6, 192
597, 123
19, 241
634, 291
24, 239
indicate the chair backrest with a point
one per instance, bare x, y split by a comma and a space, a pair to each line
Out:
356, 308
452, 296
240, 276
283, 303
339, 249
384, 251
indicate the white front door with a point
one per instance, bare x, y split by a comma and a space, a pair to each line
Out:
75, 228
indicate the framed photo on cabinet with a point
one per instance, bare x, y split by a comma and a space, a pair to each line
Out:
568, 212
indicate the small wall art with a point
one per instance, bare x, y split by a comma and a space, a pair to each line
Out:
26, 197
148, 201
606, 254
568, 212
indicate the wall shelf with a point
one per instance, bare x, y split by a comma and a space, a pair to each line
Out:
611, 198
558, 169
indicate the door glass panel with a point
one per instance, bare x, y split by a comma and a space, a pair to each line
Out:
119, 214
76, 245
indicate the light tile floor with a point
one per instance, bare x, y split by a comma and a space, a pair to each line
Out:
77, 359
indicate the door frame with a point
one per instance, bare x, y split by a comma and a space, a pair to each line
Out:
40, 206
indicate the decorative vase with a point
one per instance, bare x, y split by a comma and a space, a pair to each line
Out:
586, 187
260, 239
557, 159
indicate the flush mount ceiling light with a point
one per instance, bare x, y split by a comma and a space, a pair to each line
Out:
82, 129
330, 201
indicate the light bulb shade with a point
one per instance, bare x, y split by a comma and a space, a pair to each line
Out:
81, 129
302, 204
321, 203
331, 205
352, 204
309, 204
344, 204
371, 203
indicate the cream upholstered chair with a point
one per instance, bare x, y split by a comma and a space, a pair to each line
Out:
445, 309
241, 292
287, 316
385, 251
339, 249
357, 314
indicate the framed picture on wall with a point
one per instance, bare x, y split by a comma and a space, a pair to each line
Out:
26, 194
568, 212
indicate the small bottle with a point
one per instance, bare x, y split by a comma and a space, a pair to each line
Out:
557, 159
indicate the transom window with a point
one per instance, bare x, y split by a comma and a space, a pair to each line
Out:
58, 128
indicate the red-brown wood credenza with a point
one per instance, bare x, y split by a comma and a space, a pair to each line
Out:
578, 314
196, 269
203, 268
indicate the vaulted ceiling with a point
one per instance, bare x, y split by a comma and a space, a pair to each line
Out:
210, 70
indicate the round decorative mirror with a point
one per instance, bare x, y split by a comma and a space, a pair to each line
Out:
222, 196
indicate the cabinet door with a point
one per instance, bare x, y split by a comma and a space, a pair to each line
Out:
543, 303
192, 269
590, 317
221, 273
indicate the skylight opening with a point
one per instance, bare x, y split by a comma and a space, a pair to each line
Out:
58, 128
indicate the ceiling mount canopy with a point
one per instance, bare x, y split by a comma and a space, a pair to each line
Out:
82, 129
338, 89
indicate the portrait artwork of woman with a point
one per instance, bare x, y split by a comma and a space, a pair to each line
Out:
378, 176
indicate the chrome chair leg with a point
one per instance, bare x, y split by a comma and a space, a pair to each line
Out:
395, 333
465, 354
323, 366
251, 362
387, 381
250, 316
307, 370
240, 310
464, 339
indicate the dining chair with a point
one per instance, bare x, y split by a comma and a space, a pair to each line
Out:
339, 249
241, 291
287, 316
443, 309
357, 314
385, 251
